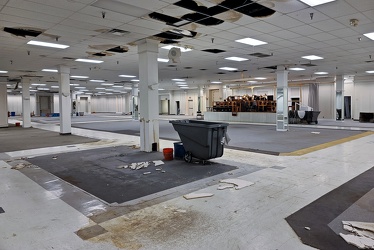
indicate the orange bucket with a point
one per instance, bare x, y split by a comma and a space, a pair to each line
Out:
168, 154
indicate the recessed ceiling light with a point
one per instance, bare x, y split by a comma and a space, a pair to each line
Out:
216, 82
260, 78
184, 87
3, 71
135, 80
38, 84
99, 88
107, 84
238, 59
117, 86
88, 93
97, 80
252, 81
370, 71
316, 2
321, 73
74, 84
296, 69
127, 88
251, 41
80, 87
127, 76
43, 88
50, 70
33, 90
178, 80
312, 57
172, 46
370, 35
162, 60
228, 68
51, 45
79, 77
88, 60
161, 89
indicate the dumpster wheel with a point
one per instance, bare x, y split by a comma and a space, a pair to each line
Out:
188, 157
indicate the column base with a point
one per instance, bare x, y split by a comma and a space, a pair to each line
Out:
65, 133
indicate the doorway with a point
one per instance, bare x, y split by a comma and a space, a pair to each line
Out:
45, 105
178, 108
347, 107
164, 107
83, 104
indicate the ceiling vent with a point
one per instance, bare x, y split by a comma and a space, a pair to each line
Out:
174, 55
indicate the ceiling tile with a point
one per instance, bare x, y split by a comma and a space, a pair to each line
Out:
308, 15
336, 9
285, 34
328, 25
283, 21
322, 36
305, 30
362, 5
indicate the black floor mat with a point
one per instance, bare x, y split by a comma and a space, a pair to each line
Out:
96, 172
318, 214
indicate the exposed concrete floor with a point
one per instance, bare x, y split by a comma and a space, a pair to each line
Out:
47, 215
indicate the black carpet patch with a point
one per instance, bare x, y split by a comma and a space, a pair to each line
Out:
318, 214
1, 210
96, 171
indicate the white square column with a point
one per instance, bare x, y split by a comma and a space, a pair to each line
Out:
339, 98
65, 101
148, 95
282, 99
26, 105
3, 106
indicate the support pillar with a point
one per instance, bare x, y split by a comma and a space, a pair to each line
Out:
282, 99
148, 93
339, 98
65, 101
3, 106
26, 105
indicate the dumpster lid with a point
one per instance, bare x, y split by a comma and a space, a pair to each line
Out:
199, 123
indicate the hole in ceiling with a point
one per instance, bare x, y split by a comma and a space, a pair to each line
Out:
215, 51
194, 6
118, 49
23, 31
118, 32
168, 41
221, 73
188, 67
202, 19
68, 58
270, 67
203, 69
308, 64
99, 54
164, 18
172, 66
260, 54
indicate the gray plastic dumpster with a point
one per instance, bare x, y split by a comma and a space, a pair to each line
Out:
202, 140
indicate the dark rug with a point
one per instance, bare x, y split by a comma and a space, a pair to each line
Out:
18, 138
96, 172
318, 214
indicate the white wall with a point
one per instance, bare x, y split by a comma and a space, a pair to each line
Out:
15, 104
326, 100
111, 103
363, 100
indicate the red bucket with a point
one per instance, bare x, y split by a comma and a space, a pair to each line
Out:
168, 154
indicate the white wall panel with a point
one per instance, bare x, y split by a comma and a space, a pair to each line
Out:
363, 98
326, 101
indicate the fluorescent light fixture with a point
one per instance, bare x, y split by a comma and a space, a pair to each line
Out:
88, 93
109, 93
43, 88
370, 71
135, 80
370, 35
321, 73
79, 77
127, 76
216, 82
55, 87
99, 88
109, 89
129, 88
3, 71
74, 84
80, 87
316, 2
50, 70
101, 92
117, 86
296, 69
235, 58
251, 41
228, 68
312, 57
162, 60
252, 81
51, 45
180, 83
97, 80
33, 90
184, 87
88, 60
260, 78
178, 80
161, 89
172, 46
38, 84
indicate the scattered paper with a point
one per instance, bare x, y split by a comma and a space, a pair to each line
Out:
158, 163
239, 184
196, 196
145, 173
307, 228
358, 241
20, 166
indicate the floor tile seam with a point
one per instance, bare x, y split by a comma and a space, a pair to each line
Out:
327, 144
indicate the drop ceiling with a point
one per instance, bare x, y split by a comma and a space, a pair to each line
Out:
290, 28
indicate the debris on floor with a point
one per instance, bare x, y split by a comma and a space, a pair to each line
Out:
316, 133
158, 163
196, 196
145, 173
307, 228
222, 187
239, 184
141, 165
362, 234
20, 166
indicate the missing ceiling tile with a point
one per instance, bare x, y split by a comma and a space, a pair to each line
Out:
202, 19
164, 18
221, 73
23, 32
118, 49
188, 67
261, 55
215, 51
